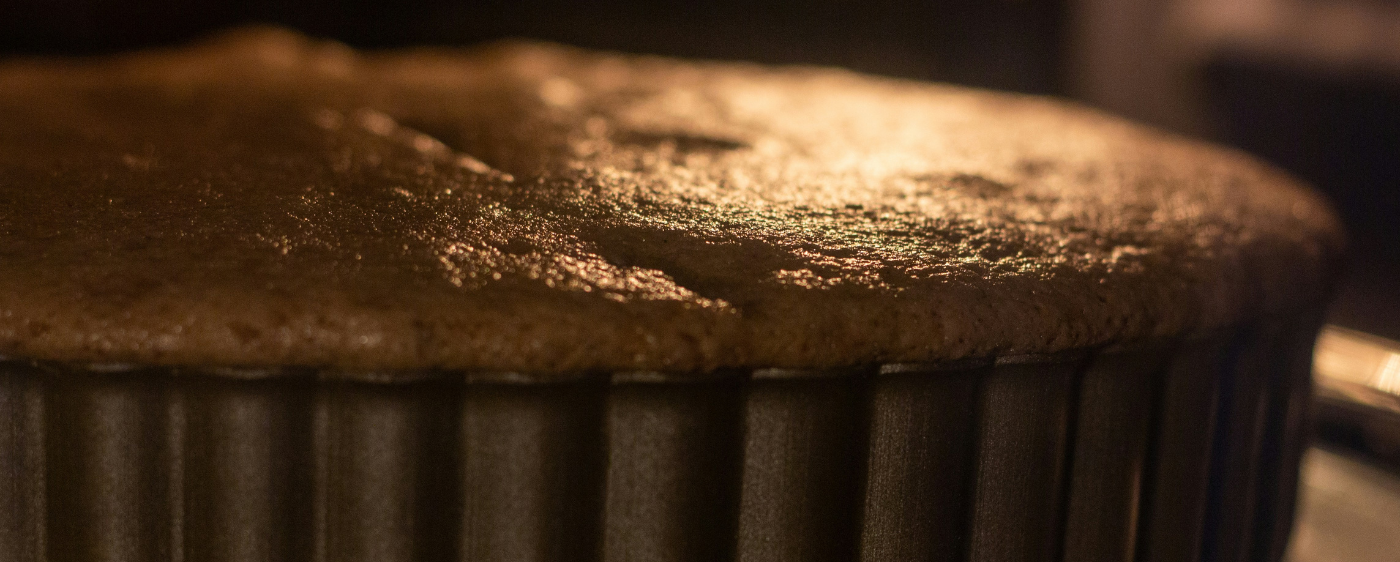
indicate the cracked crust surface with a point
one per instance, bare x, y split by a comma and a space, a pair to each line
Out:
266, 200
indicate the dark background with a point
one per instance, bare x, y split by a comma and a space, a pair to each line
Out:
1011, 44
1337, 127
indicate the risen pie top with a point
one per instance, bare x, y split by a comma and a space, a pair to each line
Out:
266, 200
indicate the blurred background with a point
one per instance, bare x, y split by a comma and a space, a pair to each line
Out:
1311, 85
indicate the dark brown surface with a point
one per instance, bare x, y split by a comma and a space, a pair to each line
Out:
266, 200
621, 227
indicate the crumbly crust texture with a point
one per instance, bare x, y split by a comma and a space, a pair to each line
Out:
266, 200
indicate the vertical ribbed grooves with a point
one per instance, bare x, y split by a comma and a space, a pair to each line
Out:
175, 471
805, 446
373, 441
1185, 453
1024, 434
674, 461
252, 444
22, 471
1289, 403
1241, 420
531, 472
1116, 399
1177, 495
923, 423
106, 481
438, 501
